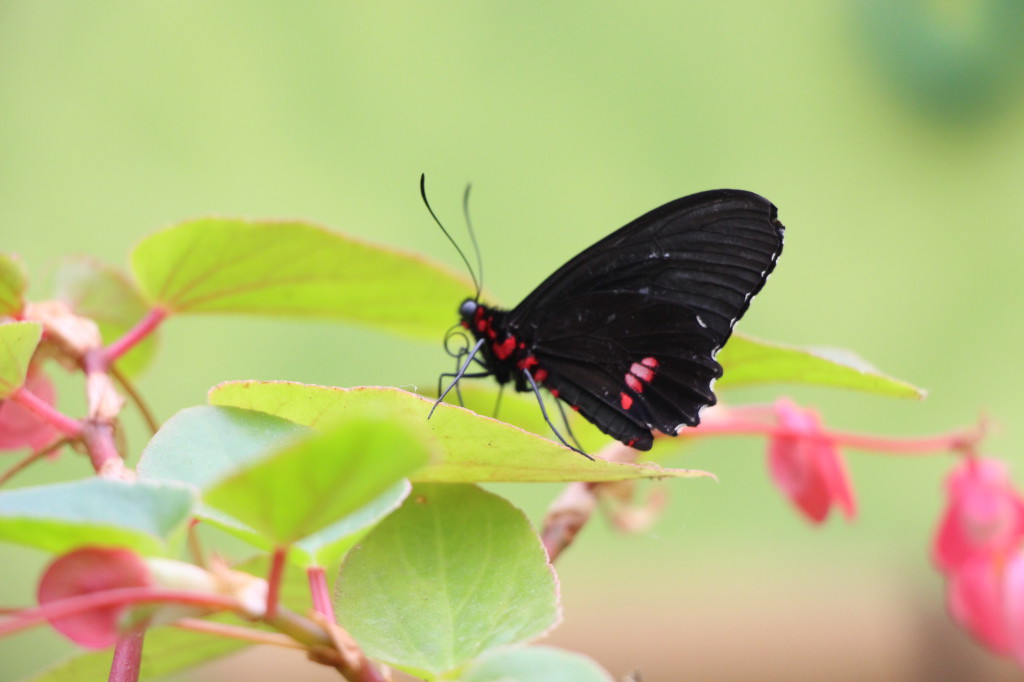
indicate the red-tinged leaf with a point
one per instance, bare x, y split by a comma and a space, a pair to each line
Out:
87, 571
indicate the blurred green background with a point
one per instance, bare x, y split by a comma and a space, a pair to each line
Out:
890, 135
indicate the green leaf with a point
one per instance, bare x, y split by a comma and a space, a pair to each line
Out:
167, 650
13, 281
106, 295
751, 361
309, 485
326, 546
18, 341
455, 572
58, 517
294, 268
473, 448
528, 664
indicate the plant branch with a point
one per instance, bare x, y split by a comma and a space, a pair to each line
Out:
128, 656
106, 460
960, 440
32, 457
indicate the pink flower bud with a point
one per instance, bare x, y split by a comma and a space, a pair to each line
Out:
983, 515
806, 465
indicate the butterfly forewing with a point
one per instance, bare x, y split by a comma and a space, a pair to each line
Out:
710, 251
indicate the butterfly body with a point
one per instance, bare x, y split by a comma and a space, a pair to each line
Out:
626, 332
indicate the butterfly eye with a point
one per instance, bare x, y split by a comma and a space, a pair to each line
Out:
468, 309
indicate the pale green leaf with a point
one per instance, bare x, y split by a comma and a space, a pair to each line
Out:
140, 515
295, 268
455, 572
751, 361
13, 281
473, 448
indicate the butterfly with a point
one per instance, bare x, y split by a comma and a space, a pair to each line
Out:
626, 332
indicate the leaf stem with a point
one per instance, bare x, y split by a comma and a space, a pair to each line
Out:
68, 426
136, 398
133, 336
277, 564
319, 592
238, 632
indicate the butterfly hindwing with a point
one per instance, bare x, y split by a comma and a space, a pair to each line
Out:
629, 363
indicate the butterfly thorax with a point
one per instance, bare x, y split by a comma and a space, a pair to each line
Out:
504, 353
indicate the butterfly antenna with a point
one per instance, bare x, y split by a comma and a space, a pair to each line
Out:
423, 193
472, 237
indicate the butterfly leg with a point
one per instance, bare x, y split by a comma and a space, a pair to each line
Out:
543, 411
461, 373
565, 422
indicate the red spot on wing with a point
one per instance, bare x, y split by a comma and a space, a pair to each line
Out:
527, 362
540, 375
640, 374
554, 392
626, 400
504, 349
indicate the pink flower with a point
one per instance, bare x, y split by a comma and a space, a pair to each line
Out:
983, 515
806, 465
18, 426
975, 596
87, 571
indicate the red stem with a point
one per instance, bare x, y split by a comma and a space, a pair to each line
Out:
321, 595
133, 336
953, 441
52, 416
277, 563
124, 596
127, 657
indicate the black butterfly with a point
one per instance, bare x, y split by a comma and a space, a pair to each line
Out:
627, 331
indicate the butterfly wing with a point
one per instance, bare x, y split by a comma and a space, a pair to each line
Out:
627, 331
